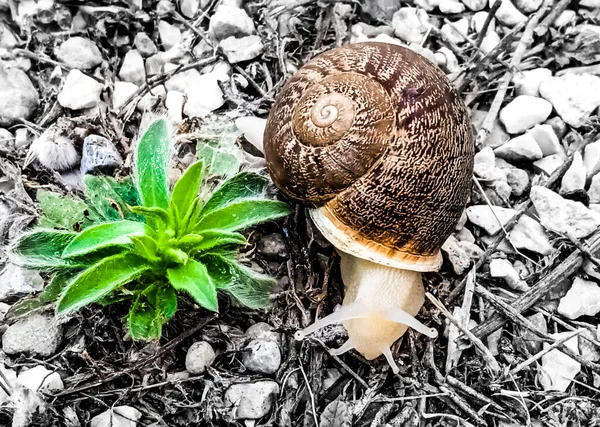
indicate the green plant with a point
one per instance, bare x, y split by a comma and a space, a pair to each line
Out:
143, 243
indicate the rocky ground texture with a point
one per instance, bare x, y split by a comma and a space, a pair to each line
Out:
517, 298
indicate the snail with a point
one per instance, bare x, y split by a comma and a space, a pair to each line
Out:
377, 143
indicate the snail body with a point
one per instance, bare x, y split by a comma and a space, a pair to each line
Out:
378, 143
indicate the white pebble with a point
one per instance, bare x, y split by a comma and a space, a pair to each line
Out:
205, 97
557, 369
456, 255
583, 299
228, 21
591, 158
503, 269
253, 129
40, 379
528, 82
521, 148
475, 5
508, 14
410, 24
528, 6
121, 92
566, 17
489, 42
241, 49
133, 69
490, 217
562, 215
199, 357
170, 35
79, 91
262, 356
456, 31
549, 164
524, 112
529, 234
451, 7
79, 53
174, 103
251, 400
573, 96
484, 164
144, 44
478, 20
118, 416
594, 190
546, 139
574, 177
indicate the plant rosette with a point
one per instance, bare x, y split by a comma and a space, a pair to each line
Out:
143, 243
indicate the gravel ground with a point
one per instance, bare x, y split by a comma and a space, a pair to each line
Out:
516, 301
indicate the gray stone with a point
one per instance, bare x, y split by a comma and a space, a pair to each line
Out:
262, 356
205, 96
452, 7
228, 21
34, 335
381, 10
263, 331
272, 246
518, 180
200, 356
79, 53
189, 8
574, 177
241, 49
170, 35
457, 31
456, 255
587, 349
99, 155
503, 269
562, 215
583, 299
528, 6
591, 159
410, 24
19, 98
251, 400
529, 234
79, 91
144, 44
527, 341
15, 282
508, 14
521, 148
594, 190
475, 5
484, 165
7, 141
546, 138
528, 82
122, 91
573, 96
524, 112
133, 69
40, 379
490, 218
549, 164
119, 416
558, 370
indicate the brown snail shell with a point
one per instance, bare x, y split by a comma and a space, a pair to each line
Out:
377, 136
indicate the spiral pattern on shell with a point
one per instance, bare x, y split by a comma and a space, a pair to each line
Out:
378, 136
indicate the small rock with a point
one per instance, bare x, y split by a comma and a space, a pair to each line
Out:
122, 91
566, 17
199, 357
591, 270
230, 21
524, 112
381, 10
451, 7
253, 129
262, 356
546, 138
504, 246
528, 6
549, 164
360, 28
583, 299
170, 35
591, 159
484, 165
79, 53
562, 215
174, 103
79, 91
272, 246
410, 24
508, 14
99, 155
133, 69
521, 148
497, 136
119, 416
7, 141
178, 376
489, 42
488, 217
503, 269
574, 177
558, 369
40, 379
427, 5
33, 335
458, 31
456, 255
573, 96
446, 60
19, 98
478, 20
464, 235
558, 126
15, 282
588, 350
155, 63
517, 179
529, 234
206, 97
189, 8
527, 341
241, 49
493, 340
263, 331
471, 249
475, 5
251, 400
594, 190
144, 45
528, 82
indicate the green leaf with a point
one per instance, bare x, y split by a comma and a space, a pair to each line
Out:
41, 249
186, 189
152, 160
166, 301
216, 238
160, 214
147, 247
242, 186
99, 280
61, 212
110, 199
144, 321
105, 235
193, 278
50, 294
240, 215
244, 284
55, 288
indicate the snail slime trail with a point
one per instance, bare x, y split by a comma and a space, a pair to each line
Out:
385, 178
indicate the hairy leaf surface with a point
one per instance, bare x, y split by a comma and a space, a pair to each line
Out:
152, 160
105, 235
193, 278
243, 214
